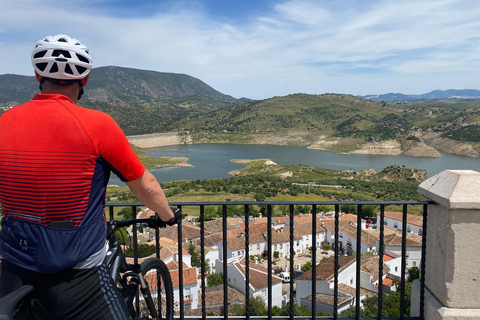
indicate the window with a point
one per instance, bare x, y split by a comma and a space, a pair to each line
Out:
258, 246
250, 247
351, 281
281, 245
298, 243
414, 263
396, 269
275, 247
307, 238
233, 254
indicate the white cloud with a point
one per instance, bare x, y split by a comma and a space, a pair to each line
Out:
300, 46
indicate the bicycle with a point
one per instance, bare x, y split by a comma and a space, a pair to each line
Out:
146, 288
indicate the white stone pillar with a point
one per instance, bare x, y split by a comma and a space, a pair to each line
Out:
452, 273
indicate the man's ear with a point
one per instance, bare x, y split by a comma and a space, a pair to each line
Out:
85, 80
39, 77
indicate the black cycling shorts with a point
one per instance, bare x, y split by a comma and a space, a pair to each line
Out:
71, 294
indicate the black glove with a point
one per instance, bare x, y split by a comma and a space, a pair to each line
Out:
177, 216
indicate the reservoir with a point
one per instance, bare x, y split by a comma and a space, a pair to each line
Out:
213, 161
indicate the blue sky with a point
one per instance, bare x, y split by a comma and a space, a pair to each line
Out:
264, 48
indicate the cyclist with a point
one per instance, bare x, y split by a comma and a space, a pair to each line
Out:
55, 162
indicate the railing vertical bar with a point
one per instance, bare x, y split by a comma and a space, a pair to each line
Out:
135, 251
157, 242
134, 231
335, 272
422, 263
247, 262
180, 268
110, 212
202, 255
380, 262
292, 260
404, 262
314, 261
225, 266
359, 261
269, 259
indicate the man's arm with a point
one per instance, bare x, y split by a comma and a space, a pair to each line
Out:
148, 191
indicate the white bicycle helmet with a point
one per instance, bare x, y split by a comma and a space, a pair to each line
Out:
61, 57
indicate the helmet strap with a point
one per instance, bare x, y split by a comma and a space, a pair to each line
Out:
81, 91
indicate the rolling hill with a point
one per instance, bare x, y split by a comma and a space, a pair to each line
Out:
148, 102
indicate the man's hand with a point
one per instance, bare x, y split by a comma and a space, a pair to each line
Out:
148, 191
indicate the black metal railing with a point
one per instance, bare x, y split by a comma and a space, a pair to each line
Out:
314, 205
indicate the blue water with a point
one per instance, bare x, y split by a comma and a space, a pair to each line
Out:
212, 161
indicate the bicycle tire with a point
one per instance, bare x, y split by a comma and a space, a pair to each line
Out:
157, 275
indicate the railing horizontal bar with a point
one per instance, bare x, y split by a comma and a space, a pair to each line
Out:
218, 203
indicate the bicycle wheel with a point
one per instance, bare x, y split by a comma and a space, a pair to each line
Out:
156, 274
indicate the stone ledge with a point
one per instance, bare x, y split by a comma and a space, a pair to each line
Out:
434, 310
453, 189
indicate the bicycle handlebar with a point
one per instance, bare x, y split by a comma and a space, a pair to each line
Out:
154, 221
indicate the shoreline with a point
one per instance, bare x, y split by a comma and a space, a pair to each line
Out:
385, 148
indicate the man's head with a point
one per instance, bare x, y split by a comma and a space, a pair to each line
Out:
62, 61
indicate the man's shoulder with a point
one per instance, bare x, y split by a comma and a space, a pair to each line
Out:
89, 114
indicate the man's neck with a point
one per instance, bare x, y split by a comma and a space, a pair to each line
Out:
71, 91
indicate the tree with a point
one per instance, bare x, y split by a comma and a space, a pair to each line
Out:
276, 254
259, 197
214, 279
256, 306
327, 247
144, 250
195, 256
307, 266
413, 273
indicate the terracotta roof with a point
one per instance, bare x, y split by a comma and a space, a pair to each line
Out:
391, 255
306, 229
210, 240
239, 242
214, 296
329, 299
189, 231
411, 218
350, 217
258, 275
370, 266
189, 274
393, 237
216, 225
284, 236
325, 270
350, 228
388, 282
352, 292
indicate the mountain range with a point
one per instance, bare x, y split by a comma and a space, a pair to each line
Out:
149, 102
451, 94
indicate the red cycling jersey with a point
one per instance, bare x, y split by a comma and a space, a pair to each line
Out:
55, 161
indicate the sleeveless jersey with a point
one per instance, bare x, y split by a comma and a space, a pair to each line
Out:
55, 163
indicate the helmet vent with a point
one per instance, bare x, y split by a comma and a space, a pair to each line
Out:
41, 66
82, 58
54, 68
57, 53
62, 40
40, 54
81, 69
68, 69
